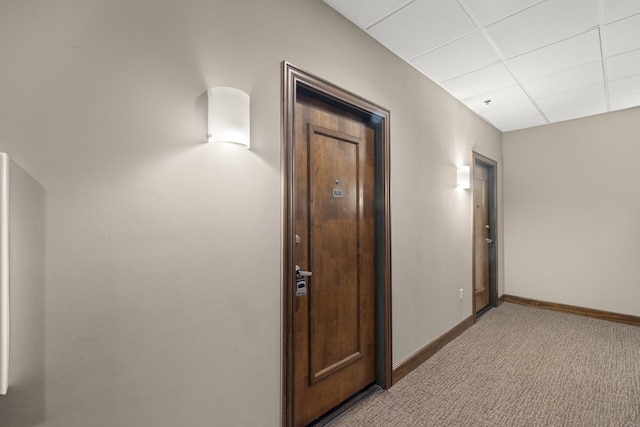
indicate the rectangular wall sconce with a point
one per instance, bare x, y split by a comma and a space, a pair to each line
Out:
229, 116
4, 273
464, 177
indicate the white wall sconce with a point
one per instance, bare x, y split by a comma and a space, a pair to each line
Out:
229, 116
464, 177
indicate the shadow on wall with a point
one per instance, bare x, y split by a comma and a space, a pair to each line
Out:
23, 405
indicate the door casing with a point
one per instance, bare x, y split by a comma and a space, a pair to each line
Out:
297, 81
492, 188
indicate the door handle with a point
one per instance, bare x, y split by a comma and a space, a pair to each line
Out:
301, 282
302, 273
489, 241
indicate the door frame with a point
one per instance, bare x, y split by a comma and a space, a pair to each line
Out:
294, 81
492, 187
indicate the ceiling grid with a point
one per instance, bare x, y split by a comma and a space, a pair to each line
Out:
537, 61
604, 57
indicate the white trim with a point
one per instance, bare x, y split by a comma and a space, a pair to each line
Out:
4, 273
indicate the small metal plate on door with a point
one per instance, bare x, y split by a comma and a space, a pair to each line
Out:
301, 287
338, 193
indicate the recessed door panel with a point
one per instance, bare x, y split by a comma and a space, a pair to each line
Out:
335, 220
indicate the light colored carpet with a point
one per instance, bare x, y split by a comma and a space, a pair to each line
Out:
519, 366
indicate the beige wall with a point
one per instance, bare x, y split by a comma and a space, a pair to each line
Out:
161, 253
572, 207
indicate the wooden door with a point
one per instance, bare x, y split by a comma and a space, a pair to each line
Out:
481, 236
334, 323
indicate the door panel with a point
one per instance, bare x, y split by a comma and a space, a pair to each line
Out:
480, 236
334, 323
334, 219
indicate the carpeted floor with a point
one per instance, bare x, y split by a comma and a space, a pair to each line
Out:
519, 366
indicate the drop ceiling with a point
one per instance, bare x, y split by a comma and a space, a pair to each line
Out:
516, 63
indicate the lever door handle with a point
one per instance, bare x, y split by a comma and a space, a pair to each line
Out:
489, 241
302, 273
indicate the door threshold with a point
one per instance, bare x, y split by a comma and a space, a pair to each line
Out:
345, 406
483, 311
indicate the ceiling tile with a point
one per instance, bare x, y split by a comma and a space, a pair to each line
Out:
422, 26
571, 98
574, 78
542, 24
625, 86
488, 12
365, 13
575, 112
511, 100
482, 81
462, 56
509, 109
622, 36
570, 53
624, 65
618, 9
507, 123
623, 102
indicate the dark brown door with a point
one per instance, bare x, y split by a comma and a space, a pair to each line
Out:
481, 235
334, 323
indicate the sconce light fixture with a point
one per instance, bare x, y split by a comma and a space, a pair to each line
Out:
464, 177
229, 116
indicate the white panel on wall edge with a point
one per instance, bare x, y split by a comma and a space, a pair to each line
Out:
4, 273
